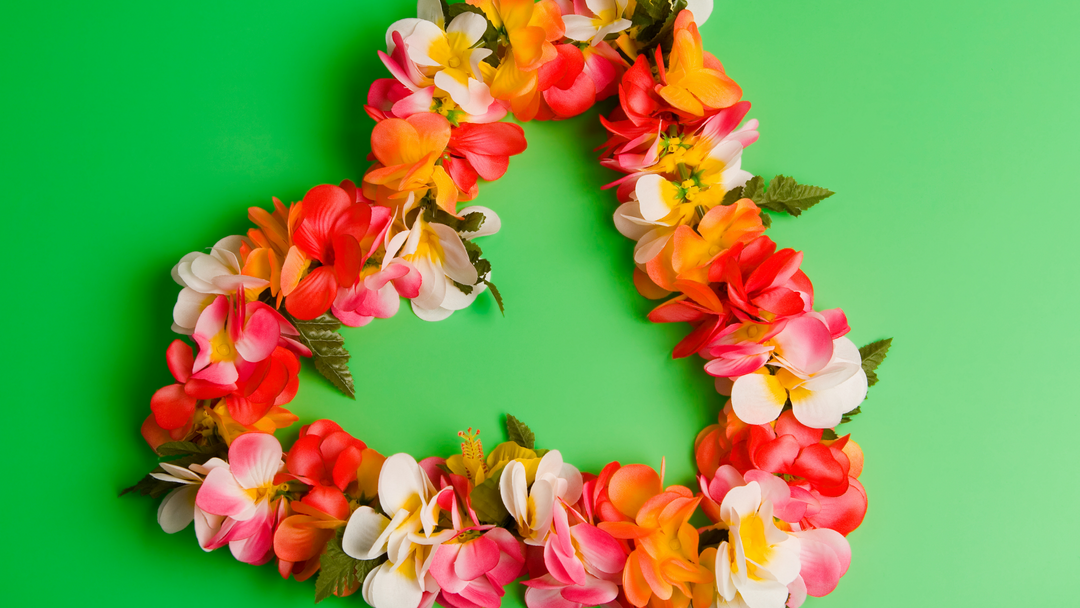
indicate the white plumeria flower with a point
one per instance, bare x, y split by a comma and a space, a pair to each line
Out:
607, 18
818, 400
205, 276
177, 509
533, 508
408, 537
436, 251
449, 56
758, 561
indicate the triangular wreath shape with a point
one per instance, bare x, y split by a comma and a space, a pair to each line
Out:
778, 483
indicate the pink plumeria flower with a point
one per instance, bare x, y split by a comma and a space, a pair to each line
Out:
408, 537
474, 568
584, 565
377, 294
232, 339
238, 499
533, 507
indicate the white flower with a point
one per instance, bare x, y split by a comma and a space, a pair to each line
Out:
533, 508
758, 561
206, 275
408, 537
436, 251
607, 18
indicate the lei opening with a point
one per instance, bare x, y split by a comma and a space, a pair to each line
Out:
777, 482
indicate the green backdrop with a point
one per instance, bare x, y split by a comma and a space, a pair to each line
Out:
135, 132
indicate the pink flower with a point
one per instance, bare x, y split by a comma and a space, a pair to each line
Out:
237, 503
474, 567
377, 293
584, 566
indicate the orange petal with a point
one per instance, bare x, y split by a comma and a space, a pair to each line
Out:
293, 269
631, 486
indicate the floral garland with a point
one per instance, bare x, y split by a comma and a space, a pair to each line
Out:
777, 482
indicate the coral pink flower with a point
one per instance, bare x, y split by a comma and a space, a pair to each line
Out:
473, 568
326, 456
377, 293
301, 537
239, 499
481, 151
820, 474
407, 151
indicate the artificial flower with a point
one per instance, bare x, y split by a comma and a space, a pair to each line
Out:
407, 151
602, 18
408, 536
205, 275
270, 242
532, 506
240, 499
481, 151
376, 293
694, 81
473, 568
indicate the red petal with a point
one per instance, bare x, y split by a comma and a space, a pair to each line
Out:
321, 207
180, 360
305, 459
347, 259
172, 406
314, 295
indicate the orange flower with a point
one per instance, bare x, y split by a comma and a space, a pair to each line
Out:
664, 560
721, 228
408, 151
531, 28
272, 239
694, 80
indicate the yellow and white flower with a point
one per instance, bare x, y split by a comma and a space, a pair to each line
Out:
532, 507
607, 18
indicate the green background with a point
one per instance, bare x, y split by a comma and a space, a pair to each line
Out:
135, 132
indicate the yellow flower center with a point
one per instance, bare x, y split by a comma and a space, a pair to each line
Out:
752, 534
221, 347
604, 18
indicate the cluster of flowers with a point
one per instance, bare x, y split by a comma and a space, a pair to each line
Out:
778, 484
458, 530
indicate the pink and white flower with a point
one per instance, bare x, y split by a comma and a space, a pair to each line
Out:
596, 20
473, 568
204, 275
533, 507
238, 503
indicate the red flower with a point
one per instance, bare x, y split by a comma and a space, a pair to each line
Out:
336, 231
824, 471
481, 151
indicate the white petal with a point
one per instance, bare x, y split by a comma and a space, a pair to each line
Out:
456, 262
625, 217
550, 465
727, 151
400, 479
364, 536
571, 492
457, 300
742, 500
184, 261
190, 279
701, 9
432, 285
824, 409
491, 225
757, 398
180, 472
513, 489
394, 586
650, 197
394, 245
473, 26
206, 268
431, 10
762, 593
578, 27
228, 251
433, 315
651, 244
405, 27
189, 305
784, 561
177, 509
423, 35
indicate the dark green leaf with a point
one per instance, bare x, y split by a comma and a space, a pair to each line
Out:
848, 416
182, 448
338, 572
487, 501
327, 349
712, 537
872, 356
659, 33
788, 196
178, 453
766, 219
148, 486
829, 434
519, 432
732, 196
498, 296
755, 189
470, 222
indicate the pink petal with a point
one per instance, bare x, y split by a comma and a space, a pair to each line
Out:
821, 567
254, 459
600, 550
260, 337
475, 558
806, 343
595, 592
220, 494
442, 567
837, 322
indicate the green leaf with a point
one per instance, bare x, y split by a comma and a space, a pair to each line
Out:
848, 416
872, 356
327, 349
659, 33
470, 222
519, 432
788, 196
183, 448
487, 501
766, 219
829, 434
732, 196
340, 572
498, 296
754, 189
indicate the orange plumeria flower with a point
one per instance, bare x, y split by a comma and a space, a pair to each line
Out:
664, 561
721, 228
694, 80
408, 151
531, 29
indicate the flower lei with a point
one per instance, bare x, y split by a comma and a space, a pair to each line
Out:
778, 483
